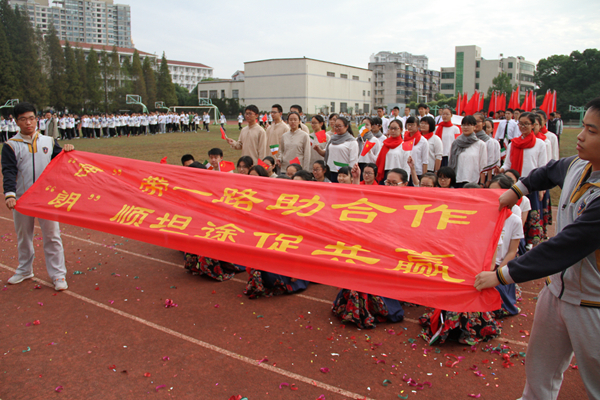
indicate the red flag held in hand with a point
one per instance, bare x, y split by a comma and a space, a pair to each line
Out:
295, 161
367, 147
163, 160
321, 136
262, 164
408, 145
226, 166
223, 135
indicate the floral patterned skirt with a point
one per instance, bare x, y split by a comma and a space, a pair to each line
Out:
534, 226
267, 284
465, 327
546, 212
218, 270
365, 310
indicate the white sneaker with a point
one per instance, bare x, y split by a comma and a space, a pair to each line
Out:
16, 278
60, 284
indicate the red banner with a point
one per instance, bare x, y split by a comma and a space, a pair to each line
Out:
419, 245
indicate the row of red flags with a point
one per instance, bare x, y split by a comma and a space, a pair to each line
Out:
498, 102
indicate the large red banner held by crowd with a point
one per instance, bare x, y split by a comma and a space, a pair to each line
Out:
419, 245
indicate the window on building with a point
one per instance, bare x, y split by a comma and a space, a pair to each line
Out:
333, 106
222, 94
332, 74
203, 94
369, 93
476, 74
344, 107
447, 86
477, 86
213, 94
477, 64
235, 93
366, 109
510, 65
344, 76
509, 75
354, 77
447, 75
364, 92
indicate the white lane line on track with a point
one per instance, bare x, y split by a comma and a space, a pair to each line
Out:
414, 321
208, 346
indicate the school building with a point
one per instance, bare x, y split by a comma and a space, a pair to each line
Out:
315, 85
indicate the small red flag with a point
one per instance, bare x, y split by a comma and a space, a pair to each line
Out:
321, 136
223, 135
408, 145
226, 166
163, 160
263, 164
456, 135
367, 147
295, 161
265, 118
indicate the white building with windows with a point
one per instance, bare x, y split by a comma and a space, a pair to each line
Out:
472, 72
188, 74
96, 22
315, 85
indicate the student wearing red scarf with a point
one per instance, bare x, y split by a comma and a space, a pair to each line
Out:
550, 137
524, 154
391, 154
447, 132
420, 148
436, 148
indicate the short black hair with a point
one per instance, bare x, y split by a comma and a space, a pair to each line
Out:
396, 108
373, 166
376, 121
411, 120
504, 181
322, 164
344, 170
304, 175
278, 107
422, 105
514, 172
260, 170
431, 123
269, 159
447, 172
197, 164
380, 108
298, 167
22, 108
471, 185
252, 108
401, 172
187, 157
510, 110
469, 120
246, 160
396, 121
215, 151
297, 107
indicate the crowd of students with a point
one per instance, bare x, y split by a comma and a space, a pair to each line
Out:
399, 152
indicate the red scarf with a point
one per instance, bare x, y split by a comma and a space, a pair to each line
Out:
517, 145
389, 143
542, 133
441, 126
374, 183
427, 135
416, 138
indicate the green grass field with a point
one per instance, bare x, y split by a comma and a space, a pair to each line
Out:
174, 145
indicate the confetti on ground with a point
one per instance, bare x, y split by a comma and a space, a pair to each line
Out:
170, 303
58, 389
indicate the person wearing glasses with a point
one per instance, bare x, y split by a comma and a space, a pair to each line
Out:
468, 155
320, 171
342, 149
369, 174
391, 154
24, 159
446, 131
276, 130
524, 154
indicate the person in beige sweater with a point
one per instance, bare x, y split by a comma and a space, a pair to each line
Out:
294, 143
253, 138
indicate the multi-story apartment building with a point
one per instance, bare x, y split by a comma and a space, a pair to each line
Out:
398, 76
472, 72
95, 22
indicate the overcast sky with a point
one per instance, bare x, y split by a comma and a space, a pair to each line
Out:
224, 34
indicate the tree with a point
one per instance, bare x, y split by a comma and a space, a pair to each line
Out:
184, 97
115, 74
105, 75
150, 80
82, 72
56, 61
137, 75
9, 82
74, 90
165, 90
93, 81
502, 84
574, 77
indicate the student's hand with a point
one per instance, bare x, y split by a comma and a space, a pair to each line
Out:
497, 170
278, 162
508, 199
541, 194
11, 202
229, 140
485, 280
355, 172
411, 163
69, 147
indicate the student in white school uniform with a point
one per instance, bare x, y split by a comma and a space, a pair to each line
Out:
507, 128
342, 149
371, 155
540, 135
207, 121
384, 120
551, 136
317, 124
392, 155
492, 146
420, 150
3, 129
223, 121
436, 148
468, 155
447, 132
524, 154
240, 120
377, 129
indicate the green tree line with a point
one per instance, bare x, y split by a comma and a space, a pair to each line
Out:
39, 70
